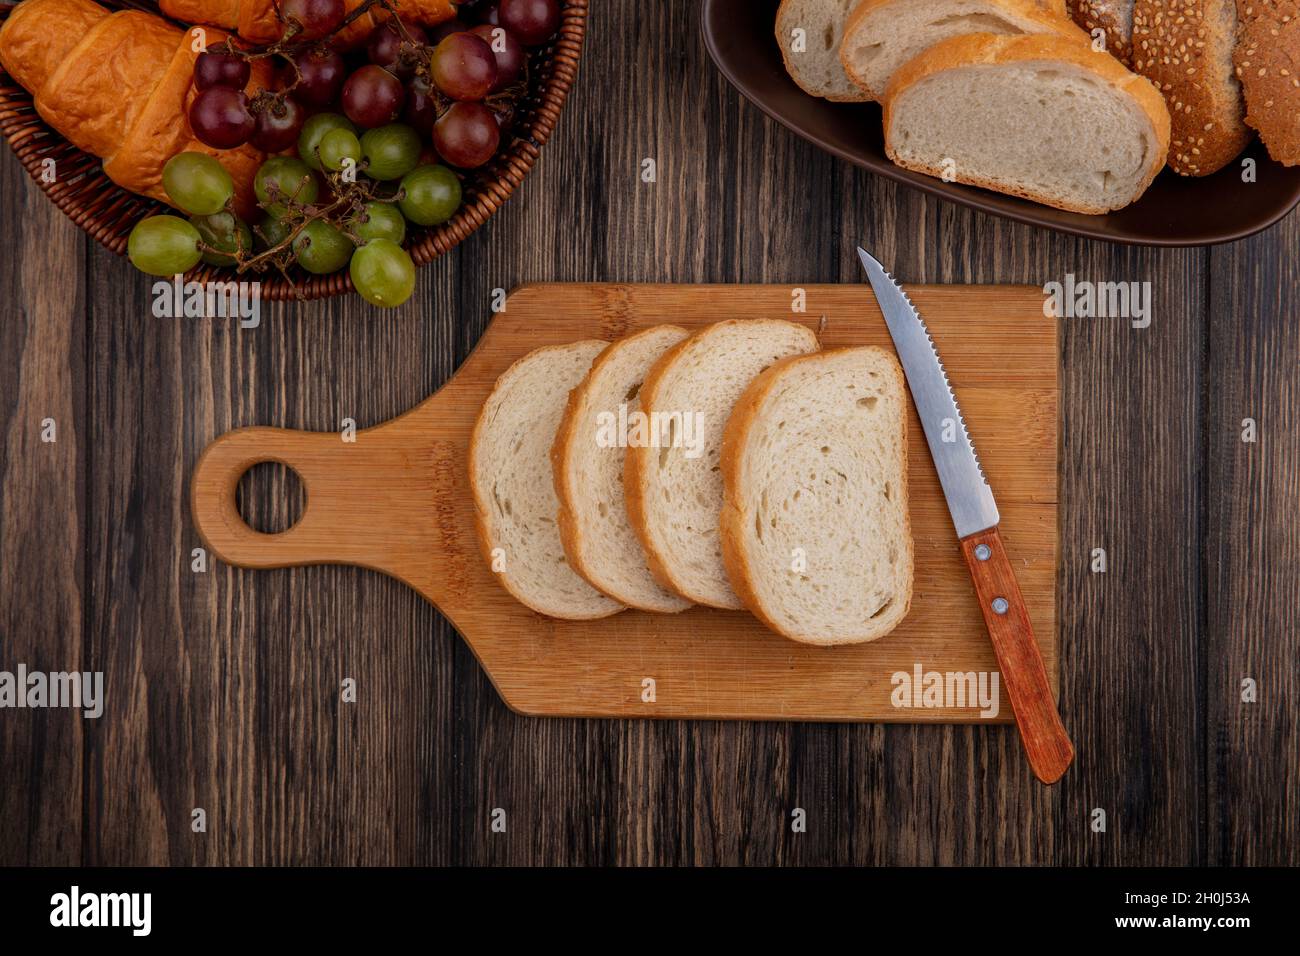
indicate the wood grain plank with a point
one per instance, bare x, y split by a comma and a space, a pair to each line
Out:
42, 518
1252, 749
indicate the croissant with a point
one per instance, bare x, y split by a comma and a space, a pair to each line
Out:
118, 86
256, 21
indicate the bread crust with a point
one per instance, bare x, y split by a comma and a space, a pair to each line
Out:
482, 525
1267, 62
985, 48
565, 436
1173, 46
1101, 14
732, 520
1049, 17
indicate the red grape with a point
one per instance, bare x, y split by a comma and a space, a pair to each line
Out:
386, 48
466, 135
316, 17
372, 97
421, 107
278, 125
489, 13
219, 117
509, 53
533, 21
463, 67
221, 69
320, 76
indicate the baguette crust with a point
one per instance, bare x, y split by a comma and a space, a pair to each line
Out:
1267, 62
1185, 48
732, 521
565, 490
482, 507
1040, 12
984, 48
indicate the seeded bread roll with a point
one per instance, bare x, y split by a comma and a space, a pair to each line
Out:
588, 468
816, 533
882, 35
1267, 62
1042, 117
1114, 18
674, 494
1185, 48
510, 477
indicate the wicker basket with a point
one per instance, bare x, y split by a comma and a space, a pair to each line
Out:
107, 212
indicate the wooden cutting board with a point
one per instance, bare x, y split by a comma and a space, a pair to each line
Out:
397, 500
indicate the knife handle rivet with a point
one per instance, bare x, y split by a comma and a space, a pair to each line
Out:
982, 552
1000, 605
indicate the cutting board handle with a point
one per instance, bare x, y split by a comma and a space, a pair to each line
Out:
354, 496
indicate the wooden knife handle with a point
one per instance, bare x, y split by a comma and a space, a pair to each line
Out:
1046, 742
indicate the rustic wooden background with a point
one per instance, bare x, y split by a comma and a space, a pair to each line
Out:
223, 687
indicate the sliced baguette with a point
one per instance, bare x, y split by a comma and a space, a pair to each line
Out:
510, 477
673, 499
882, 35
1268, 65
808, 33
1185, 48
816, 533
1042, 117
588, 468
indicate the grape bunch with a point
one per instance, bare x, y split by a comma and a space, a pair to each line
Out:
379, 135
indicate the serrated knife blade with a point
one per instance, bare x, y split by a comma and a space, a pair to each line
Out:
970, 500
975, 516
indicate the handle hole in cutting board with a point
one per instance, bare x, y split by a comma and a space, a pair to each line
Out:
270, 497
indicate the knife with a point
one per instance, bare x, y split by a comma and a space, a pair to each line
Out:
975, 517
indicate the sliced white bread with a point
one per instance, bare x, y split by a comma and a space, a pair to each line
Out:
882, 35
1185, 48
1042, 117
816, 533
808, 33
674, 492
587, 461
510, 476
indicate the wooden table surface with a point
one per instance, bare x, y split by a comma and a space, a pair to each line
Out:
223, 687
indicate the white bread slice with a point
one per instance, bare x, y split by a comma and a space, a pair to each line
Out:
510, 477
882, 35
815, 64
673, 495
815, 527
1042, 117
588, 468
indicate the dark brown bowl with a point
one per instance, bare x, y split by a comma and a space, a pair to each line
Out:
107, 212
1174, 211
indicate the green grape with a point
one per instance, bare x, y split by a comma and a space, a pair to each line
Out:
337, 146
290, 178
321, 248
272, 231
314, 130
163, 246
383, 273
380, 220
432, 195
224, 231
390, 151
197, 183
